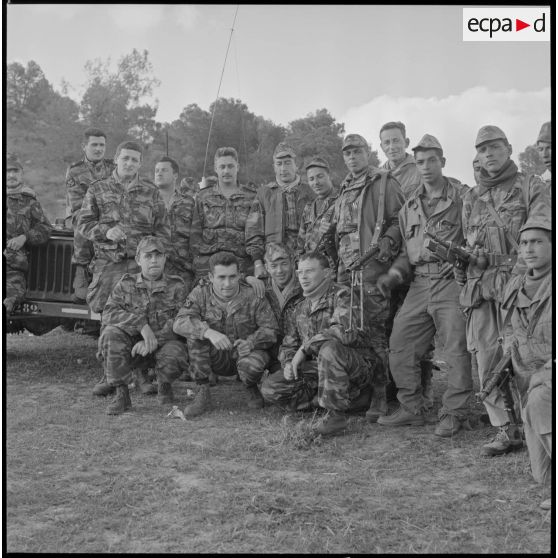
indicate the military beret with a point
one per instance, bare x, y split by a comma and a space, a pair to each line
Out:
318, 162
283, 149
428, 142
489, 133
546, 133
12, 162
274, 250
150, 244
354, 140
537, 222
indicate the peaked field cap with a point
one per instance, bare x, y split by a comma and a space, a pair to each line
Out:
150, 244
489, 133
428, 142
546, 133
317, 162
12, 162
537, 222
354, 140
284, 149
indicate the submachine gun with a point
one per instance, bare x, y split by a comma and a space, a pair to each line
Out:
453, 253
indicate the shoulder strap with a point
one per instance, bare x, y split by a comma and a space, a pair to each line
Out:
381, 209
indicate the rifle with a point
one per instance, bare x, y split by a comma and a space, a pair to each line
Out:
453, 253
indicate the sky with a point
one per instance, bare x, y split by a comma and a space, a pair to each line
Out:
367, 64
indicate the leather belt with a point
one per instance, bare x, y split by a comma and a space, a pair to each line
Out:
430, 268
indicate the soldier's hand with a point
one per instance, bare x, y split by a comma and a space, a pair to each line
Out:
298, 359
17, 242
139, 349
116, 234
384, 249
243, 347
385, 283
151, 342
460, 276
257, 285
220, 341
259, 269
288, 372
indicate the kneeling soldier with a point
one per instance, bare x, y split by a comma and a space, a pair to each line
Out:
229, 331
137, 327
322, 353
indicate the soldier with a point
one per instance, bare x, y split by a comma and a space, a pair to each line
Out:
527, 308
493, 214
394, 142
275, 213
137, 326
544, 147
116, 213
220, 213
79, 177
189, 186
317, 211
180, 207
432, 304
26, 225
366, 218
228, 330
476, 169
322, 353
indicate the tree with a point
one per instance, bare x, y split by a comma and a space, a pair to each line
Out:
530, 161
26, 88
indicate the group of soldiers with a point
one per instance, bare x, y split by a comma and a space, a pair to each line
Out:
316, 296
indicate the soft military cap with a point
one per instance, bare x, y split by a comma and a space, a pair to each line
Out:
354, 140
489, 133
150, 244
537, 222
546, 133
283, 149
12, 162
274, 251
428, 142
318, 162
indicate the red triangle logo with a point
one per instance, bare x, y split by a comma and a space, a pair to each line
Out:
519, 25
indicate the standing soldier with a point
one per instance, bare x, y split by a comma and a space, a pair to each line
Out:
432, 304
180, 207
276, 211
116, 214
317, 213
79, 177
137, 326
493, 214
228, 330
476, 169
26, 225
544, 147
365, 219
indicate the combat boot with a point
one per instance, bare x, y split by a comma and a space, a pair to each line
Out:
402, 417
334, 423
378, 404
165, 394
255, 400
506, 440
102, 388
426, 382
145, 385
121, 401
448, 426
81, 283
200, 404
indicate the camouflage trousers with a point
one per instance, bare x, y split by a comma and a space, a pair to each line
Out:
114, 351
83, 250
205, 359
339, 376
16, 284
201, 266
105, 276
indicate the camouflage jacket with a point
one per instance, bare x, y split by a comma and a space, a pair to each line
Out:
134, 303
180, 212
309, 327
292, 294
406, 173
546, 177
218, 223
275, 216
246, 317
138, 209
24, 215
311, 228
79, 177
529, 334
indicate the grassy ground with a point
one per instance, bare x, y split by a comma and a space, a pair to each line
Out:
237, 480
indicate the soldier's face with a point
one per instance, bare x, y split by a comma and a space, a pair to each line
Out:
430, 165
227, 170
152, 264
311, 274
356, 158
393, 145
164, 175
95, 147
128, 163
224, 279
545, 152
493, 155
14, 177
476, 170
320, 181
285, 169
280, 269
536, 248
